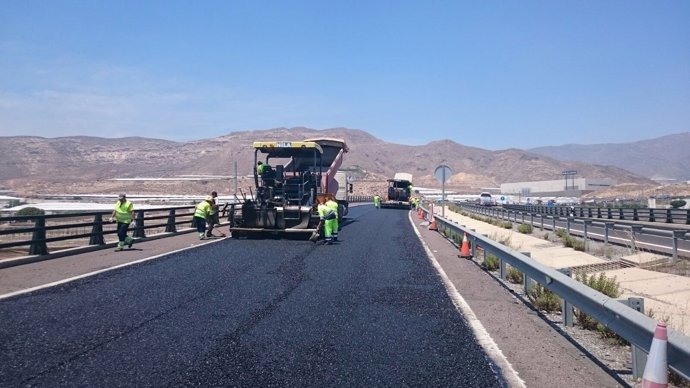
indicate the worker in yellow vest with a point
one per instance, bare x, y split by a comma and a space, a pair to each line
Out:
326, 214
377, 201
202, 214
333, 205
123, 214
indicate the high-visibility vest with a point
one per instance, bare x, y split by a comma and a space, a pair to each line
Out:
202, 209
333, 205
123, 211
325, 211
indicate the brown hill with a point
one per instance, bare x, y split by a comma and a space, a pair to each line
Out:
32, 165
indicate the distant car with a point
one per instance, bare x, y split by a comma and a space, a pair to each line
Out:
485, 199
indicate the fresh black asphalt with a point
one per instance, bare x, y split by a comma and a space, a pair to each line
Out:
369, 310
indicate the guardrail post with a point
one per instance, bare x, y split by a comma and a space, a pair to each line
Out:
170, 227
635, 229
542, 220
139, 222
639, 357
587, 223
38, 240
651, 215
531, 219
567, 225
598, 212
97, 231
635, 215
687, 217
553, 223
669, 216
676, 235
527, 282
621, 216
589, 212
607, 226
609, 215
566, 307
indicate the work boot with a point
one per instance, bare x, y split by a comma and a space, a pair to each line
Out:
120, 246
201, 236
130, 241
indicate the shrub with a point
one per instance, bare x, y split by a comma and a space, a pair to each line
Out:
506, 224
561, 233
525, 228
30, 211
514, 276
678, 203
491, 262
608, 287
544, 299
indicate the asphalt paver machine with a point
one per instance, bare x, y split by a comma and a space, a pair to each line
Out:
283, 200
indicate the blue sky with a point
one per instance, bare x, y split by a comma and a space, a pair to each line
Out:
489, 74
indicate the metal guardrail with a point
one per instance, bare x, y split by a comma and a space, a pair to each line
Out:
634, 230
669, 216
76, 227
633, 326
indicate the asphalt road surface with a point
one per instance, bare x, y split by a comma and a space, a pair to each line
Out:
369, 310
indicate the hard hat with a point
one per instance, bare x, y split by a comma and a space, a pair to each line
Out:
209, 198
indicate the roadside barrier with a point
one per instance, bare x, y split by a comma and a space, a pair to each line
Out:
633, 326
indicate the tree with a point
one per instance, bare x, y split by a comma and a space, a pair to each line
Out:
30, 211
678, 203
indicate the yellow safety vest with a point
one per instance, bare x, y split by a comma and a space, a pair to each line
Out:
202, 209
123, 211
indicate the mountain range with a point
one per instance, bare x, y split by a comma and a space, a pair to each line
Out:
33, 165
664, 158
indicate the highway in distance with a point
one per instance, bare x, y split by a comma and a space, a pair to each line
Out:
370, 310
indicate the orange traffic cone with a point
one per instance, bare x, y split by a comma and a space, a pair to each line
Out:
432, 226
656, 370
465, 248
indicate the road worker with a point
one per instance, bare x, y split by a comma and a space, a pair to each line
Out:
202, 214
261, 167
326, 214
124, 215
377, 201
335, 227
213, 214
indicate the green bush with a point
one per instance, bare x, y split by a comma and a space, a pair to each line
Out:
525, 229
608, 287
30, 211
678, 203
491, 262
505, 224
543, 299
572, 242
561, 233
514, 276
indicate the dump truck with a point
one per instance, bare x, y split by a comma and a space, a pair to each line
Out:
399, 191
283, 200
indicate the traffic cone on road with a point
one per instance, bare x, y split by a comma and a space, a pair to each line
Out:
656, 370
465, 248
